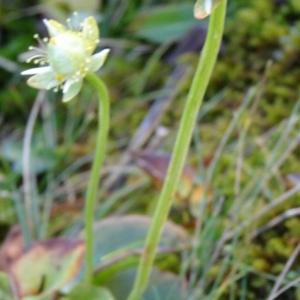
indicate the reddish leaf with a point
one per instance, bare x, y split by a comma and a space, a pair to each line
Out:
45, 268
155, 164
12, 248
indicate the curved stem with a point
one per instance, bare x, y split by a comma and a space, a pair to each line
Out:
31, 210
91, 195
187, 124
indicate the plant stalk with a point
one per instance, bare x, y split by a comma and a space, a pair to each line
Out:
195, 98
91, 195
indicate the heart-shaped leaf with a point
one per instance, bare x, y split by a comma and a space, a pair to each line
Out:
116, 236
162, 285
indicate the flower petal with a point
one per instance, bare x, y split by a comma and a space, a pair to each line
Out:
90, 32
34, 71
54, 27
98, 60
42, 81
71, 89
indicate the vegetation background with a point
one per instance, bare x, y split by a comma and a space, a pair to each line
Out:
239, 197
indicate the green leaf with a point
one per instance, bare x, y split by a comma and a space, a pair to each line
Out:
162, 285
121, 235
81, 292
163, 24
5, 290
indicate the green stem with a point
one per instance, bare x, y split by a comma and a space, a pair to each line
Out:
199, 85
91, 195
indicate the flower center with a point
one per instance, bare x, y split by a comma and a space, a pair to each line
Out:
68, 55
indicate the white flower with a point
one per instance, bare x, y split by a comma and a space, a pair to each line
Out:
66, 57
